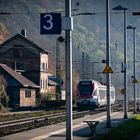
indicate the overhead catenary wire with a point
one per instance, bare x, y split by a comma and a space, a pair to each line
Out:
76, 14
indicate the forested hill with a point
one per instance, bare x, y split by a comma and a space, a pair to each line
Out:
89, 32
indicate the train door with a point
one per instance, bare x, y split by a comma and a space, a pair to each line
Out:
102, 96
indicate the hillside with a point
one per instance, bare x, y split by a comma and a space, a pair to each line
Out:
89, 35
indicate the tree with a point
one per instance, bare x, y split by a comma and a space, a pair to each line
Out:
3, 95
3, 32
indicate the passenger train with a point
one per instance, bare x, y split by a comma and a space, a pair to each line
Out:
92, 94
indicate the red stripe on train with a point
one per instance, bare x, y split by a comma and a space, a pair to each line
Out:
86, 96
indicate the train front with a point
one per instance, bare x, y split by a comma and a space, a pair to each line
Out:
86, 98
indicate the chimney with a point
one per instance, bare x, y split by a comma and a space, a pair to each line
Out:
23, 32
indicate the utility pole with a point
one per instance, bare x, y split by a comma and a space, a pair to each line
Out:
83, 68
87, 66
93, 70
108, 76
134, 43
79, 61
134, 80
68, 44
126, 66
58, 70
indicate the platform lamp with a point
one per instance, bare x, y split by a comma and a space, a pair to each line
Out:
120, 8
130, 27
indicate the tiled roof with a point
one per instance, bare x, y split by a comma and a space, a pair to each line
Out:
21, 79
25, 38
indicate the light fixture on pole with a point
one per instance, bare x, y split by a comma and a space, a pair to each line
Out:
130, 27
120, 8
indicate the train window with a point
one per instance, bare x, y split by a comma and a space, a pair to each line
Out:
85, 88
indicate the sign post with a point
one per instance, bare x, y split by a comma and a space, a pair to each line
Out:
68, 26
50, 23
108, 76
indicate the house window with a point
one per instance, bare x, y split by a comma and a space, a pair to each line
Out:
46, 83
27, 93
43, 66
46, 67
41, 83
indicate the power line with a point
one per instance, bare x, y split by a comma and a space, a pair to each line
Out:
10, 13
61, 11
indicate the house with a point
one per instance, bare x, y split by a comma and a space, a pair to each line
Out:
30, 60
27, 58
21, 91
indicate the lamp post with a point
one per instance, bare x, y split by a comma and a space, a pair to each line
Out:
68, 44
130, 27
120, 8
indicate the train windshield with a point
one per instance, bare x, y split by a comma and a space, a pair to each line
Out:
85, 87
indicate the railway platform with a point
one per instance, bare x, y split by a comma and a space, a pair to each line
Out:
81, 131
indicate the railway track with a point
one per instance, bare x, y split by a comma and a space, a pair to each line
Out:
14, 126
10, 127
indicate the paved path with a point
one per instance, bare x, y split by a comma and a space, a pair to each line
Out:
57, 131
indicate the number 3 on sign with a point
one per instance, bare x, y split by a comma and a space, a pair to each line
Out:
49, 22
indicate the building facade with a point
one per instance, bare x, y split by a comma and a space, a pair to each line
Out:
21, 91
29, 60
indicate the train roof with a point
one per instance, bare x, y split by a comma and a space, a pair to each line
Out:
89, 80
97, 82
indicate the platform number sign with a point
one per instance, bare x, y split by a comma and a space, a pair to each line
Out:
50, 23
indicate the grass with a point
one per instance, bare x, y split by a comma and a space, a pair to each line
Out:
126, 131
